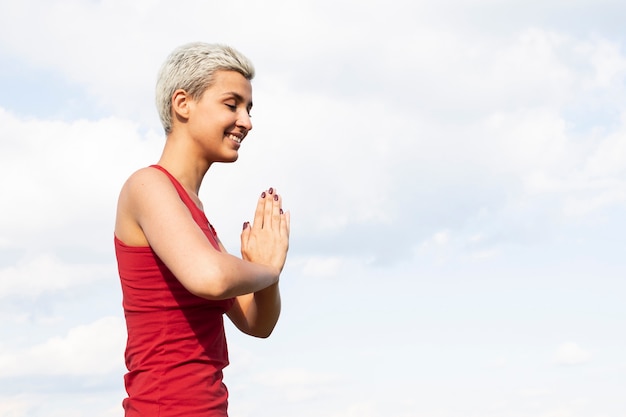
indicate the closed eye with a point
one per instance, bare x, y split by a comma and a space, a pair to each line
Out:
233, 107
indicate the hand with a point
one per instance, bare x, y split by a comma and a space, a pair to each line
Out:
266, 241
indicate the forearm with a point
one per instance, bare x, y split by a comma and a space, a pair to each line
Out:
232, 277
267, 305
256, 314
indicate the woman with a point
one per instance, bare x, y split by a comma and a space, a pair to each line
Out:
177, 278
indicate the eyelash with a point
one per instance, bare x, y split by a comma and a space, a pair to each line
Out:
234, 108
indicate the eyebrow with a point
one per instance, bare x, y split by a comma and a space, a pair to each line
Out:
237, 97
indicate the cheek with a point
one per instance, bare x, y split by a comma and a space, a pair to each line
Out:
211, 122
225, 120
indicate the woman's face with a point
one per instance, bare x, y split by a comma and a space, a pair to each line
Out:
220, 119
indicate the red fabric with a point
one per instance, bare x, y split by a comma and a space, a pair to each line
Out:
176, 348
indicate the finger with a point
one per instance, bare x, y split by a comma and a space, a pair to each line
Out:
245, 231
267, 209
286, 223
260, 209
245, 234
276, 211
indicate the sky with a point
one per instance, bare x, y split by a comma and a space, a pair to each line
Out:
456, 177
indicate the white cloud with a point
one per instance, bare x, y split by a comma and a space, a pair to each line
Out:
287, 377
609, 158
525, 140
578, 206
15, 406
321, 267
448, 248
441, 238
86, 350
570, 353
366, 408
63, 179
498, 362
609, 65
481, 255
297, 384
46, 273
32, 404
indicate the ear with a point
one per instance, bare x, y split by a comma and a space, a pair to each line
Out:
180, 105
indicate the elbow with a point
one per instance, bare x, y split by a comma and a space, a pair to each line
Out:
262, 333
212, 289
255, 331
213, 293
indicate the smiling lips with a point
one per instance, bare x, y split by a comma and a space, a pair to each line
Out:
235, 138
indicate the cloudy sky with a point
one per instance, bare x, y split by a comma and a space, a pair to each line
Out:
455, 170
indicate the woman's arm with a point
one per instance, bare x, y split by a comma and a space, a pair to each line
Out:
150, 212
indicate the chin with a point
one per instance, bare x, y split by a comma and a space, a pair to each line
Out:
230, 159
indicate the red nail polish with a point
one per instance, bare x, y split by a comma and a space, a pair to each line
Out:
281, 211
245, 224
275, 197
263, 194
271, 190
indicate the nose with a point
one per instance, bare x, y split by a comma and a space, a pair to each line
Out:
244, 121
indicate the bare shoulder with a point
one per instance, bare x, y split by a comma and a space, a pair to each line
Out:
146, 183
145, 190
144, 176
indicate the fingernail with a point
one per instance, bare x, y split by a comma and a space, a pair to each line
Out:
281, 211
263, 194
271, 190
275, 197
245, 224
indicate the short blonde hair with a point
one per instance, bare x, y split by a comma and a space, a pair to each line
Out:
191, 67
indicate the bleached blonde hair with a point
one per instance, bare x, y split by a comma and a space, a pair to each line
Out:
191, 67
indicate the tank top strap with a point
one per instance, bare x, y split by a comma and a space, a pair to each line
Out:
179, 188
197, 214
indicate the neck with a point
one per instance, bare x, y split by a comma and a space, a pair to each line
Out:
180, 160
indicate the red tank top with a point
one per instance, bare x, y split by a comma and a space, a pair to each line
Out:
176, 348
